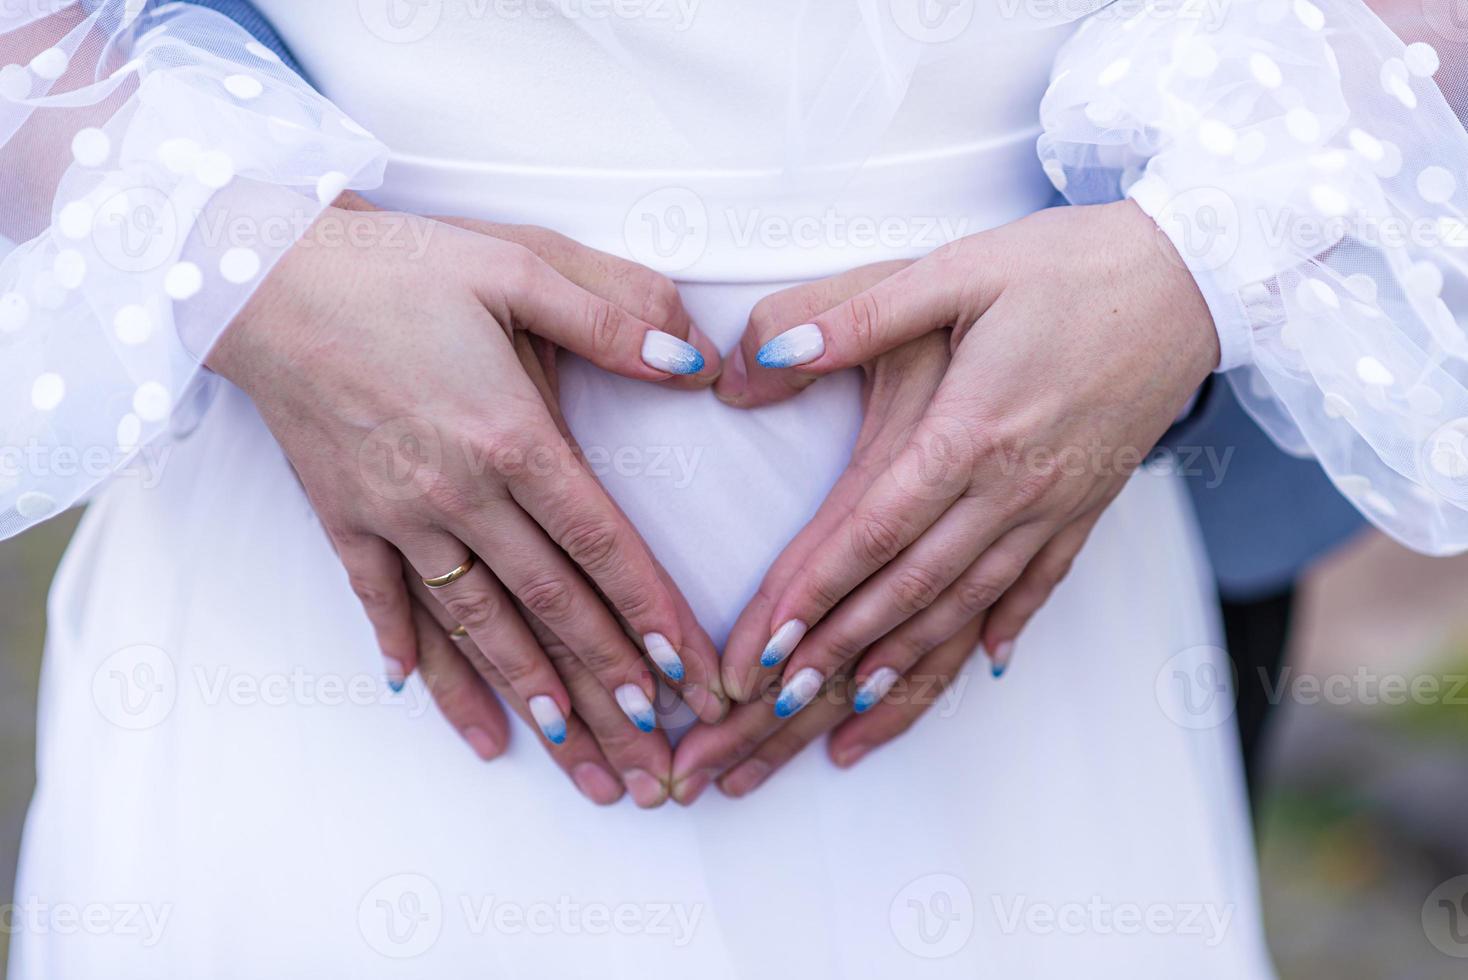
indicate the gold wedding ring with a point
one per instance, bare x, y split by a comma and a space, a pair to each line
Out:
458, 632
452, 577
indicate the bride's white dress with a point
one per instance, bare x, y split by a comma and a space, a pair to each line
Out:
223, 774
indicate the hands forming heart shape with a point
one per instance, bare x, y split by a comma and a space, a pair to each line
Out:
1014, 379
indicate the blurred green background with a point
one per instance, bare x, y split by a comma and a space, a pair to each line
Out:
1365, 809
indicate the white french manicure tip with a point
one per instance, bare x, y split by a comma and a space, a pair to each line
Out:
662, 653
636, 706
783, 643
548, 718
798, 693
664, 352
874, 689
798, 345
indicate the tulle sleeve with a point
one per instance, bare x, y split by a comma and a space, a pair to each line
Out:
155, 161
1308, 168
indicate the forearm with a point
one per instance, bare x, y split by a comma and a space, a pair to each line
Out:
181, 161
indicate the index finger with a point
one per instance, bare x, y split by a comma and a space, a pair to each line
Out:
573, 508
931, 294
904, 501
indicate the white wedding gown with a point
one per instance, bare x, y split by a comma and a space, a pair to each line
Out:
224, 776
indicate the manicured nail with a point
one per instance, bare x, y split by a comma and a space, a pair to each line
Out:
1001, 656
691, 787
735, 378
850, 755
783, 643
798, 693
482, 743
636, 706
745, 777
665, 352
875, 689
663, 654
396, 673
646, 789
547, 715
596, 784
798, 345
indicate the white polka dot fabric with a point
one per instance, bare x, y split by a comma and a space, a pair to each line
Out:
158, 162
1304, 161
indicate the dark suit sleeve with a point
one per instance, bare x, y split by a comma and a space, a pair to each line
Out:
243, 13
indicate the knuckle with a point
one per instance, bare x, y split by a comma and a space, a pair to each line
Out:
375, 594
864, 315
915, 589
516, 671
606, 323
764, 319
592, 544
661, 304
549, 599
520, 265
843, 647
876, 538
977, 593
602, 658
450, 498
1031, 489
823, 591
472, 609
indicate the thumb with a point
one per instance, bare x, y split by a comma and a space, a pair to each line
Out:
542, 301
931, 294
746, 383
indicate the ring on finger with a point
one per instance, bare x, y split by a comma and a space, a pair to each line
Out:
449, 578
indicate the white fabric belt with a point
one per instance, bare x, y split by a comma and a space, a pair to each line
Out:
744, 226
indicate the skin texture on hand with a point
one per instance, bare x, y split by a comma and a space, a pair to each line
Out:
1077, 337
397, 387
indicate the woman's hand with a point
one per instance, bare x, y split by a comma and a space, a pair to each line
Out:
899, 386
1078, 336
391, 381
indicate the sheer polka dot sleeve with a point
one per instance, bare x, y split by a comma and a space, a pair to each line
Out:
1308, 168
155, 161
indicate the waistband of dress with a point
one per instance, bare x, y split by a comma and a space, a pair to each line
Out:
744, 225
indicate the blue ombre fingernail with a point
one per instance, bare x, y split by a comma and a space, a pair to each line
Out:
637, 707
798, 693
798, 345
664, 352
1001, 657
661, 652
874, 689
396, 673
782, 644
548, 717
